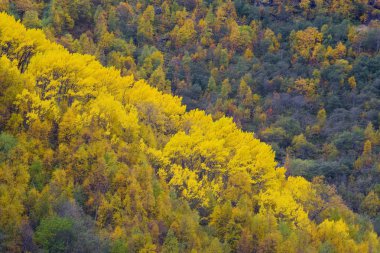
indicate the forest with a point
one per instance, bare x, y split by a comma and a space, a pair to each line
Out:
190, 126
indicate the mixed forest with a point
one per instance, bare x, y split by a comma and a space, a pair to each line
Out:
190, 126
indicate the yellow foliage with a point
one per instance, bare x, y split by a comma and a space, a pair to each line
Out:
184, 34
143, 162
306, 86
352, 82
337, 233
305, 42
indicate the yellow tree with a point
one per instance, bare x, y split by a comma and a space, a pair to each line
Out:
182, 35
305, 42
14, 178
366, 159
11, 84
371, 204
306, 86
270, 36
145, 30
225, 89
336, 233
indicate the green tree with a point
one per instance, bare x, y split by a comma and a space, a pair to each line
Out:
171, 244
55, 234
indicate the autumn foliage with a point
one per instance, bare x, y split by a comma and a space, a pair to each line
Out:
94, 162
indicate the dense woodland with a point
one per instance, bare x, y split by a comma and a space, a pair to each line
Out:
139, 156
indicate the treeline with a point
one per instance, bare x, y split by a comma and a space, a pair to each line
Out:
95, 162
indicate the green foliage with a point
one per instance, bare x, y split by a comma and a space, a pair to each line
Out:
7, 143
54, 234
171, 243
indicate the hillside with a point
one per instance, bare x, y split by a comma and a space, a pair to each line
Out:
95, 162
303, 75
